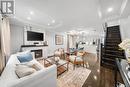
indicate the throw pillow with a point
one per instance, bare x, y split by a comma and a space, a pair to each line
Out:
22, 70
25, 57
24, 52
36, 67
32, 65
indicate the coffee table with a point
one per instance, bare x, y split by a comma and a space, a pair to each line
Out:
62, 65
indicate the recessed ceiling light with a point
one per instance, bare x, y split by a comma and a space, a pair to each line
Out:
31, 12
100, 14
29, 18
48, 24
53, 21
110, 9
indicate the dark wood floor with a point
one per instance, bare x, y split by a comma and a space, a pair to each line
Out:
99, 76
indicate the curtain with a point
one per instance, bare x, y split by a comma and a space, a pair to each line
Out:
1, 58
5, 38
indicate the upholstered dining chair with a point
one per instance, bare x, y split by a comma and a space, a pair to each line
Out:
77, 59
59, 53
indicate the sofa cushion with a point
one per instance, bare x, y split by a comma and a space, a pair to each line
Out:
32, 65
9, 76
25, 57
36, 67
23, 70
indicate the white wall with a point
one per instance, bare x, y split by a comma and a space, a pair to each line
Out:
17, 39
125, 28
113, 23
34, 29
125, 31
50, 37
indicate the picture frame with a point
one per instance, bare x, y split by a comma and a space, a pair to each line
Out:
59, 39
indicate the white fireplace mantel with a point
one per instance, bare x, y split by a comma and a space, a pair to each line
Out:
35, 47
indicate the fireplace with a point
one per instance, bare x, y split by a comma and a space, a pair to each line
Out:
37, 53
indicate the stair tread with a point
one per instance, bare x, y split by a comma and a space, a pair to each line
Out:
111, 47
113, 41
118, 51
111, 51
108, 65
113, 65
112, 55
113, 32
112, 44
112, 38
109, 59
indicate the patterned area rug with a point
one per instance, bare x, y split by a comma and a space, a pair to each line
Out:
73, 78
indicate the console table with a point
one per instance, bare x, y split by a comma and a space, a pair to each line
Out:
122, 66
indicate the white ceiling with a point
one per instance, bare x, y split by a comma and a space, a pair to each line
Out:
106, 4
126, 11
67, 14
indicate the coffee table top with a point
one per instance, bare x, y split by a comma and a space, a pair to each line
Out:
58, 63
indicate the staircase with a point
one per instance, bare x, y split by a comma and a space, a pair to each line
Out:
110, 50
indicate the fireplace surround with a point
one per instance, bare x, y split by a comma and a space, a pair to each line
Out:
40, 51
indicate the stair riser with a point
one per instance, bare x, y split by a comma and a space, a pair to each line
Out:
113, 42
113, 56
111, 62
111, 36
114, 53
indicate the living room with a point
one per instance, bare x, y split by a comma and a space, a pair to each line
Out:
63, 43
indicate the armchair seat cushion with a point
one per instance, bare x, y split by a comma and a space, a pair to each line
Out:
57, 53
78, 58
61, 62
23, 70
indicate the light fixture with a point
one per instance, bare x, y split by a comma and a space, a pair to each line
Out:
31, 13
100, 14
29, 18
48, 24
95, 77
110, 9
53, 21
98, 70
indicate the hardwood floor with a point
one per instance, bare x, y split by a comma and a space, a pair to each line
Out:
99, 76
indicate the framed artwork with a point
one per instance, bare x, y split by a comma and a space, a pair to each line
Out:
58, 39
